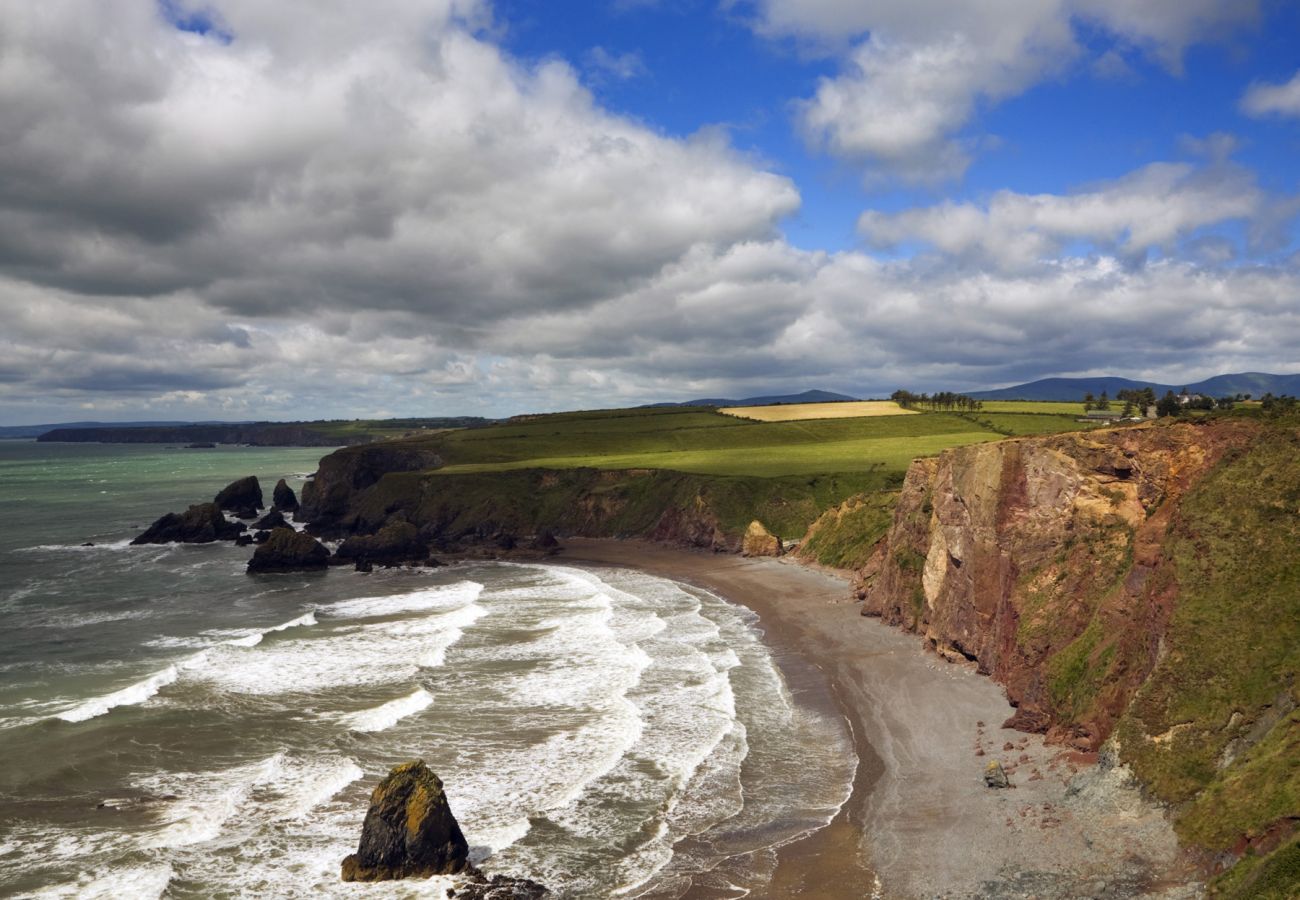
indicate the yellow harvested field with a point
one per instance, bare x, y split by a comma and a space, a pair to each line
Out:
794, 412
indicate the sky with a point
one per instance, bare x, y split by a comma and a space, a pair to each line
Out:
321, 209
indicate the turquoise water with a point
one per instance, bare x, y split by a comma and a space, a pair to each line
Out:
172, 726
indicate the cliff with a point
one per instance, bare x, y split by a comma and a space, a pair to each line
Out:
359, 490
1141, 584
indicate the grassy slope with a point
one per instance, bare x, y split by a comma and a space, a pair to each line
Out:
846, 536
1215, 727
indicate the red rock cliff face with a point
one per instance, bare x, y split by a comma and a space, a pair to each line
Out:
1040, 559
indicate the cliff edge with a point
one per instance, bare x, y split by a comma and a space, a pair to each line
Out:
1138, 585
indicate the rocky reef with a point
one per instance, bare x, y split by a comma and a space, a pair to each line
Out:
286, 550
396, 543
410, 832
202, 523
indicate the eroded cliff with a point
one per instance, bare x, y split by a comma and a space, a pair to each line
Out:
1140, 583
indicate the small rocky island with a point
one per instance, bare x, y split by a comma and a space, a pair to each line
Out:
410, 832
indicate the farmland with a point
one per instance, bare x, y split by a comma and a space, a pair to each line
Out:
795, 412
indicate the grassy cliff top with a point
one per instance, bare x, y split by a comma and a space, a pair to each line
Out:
706, 442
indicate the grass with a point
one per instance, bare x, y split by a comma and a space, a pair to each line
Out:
765, 461
1018, 424
1038, 407
794, 412
702, 442
845, 536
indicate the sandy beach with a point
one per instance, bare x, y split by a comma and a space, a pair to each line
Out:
921, 823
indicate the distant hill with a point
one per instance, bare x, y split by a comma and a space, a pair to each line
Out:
260, 434
1069, 389
31, 431
805, 397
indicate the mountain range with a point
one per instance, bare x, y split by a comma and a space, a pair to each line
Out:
1070, 389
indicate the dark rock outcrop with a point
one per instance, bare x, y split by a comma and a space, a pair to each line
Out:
409, 831
396, 543
242, 497
200, 524
328, 499
500, 887
545, 543
287, 550
273, 519
283, 497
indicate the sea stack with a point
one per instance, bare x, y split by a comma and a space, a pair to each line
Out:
283, 497
242, 497
409, 831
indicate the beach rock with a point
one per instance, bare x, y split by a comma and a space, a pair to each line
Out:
409, 830
273, 519
396, 543
283, 497
364, 565
759, 541
995, 776
287, 550
200, 524
500, 887
242, 497
545, 542
261, 537
244, 540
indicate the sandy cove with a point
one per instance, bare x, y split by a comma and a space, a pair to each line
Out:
921, 823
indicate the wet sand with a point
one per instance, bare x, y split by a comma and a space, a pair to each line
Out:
920, 821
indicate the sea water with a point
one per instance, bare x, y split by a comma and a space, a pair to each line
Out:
173, 727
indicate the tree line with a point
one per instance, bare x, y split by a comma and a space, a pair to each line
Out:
940, 400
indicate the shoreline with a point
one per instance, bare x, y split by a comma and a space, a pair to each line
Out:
920, 819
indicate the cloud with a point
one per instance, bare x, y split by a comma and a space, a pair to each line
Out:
915, 71
1262, 99
332, 211
1153, 207
605, 64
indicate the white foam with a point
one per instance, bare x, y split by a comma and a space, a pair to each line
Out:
132, 694
342, 656
255, 638
139, 883
207, 800
89, 547
414, 601
389, 714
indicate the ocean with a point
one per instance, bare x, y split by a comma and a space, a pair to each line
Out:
173, 727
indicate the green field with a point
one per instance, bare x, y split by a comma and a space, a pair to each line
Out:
705, 442
1041, 407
